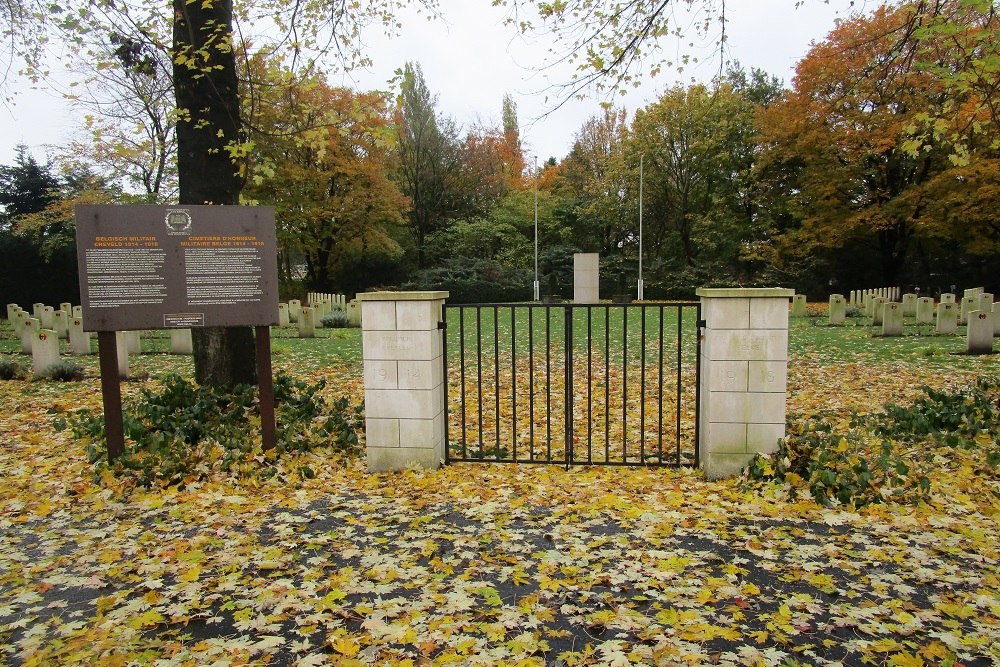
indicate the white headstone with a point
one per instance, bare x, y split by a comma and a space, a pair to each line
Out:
77, 311
799, 305
925, 310
44, 350
79, 340
979, 336
996, 319
180, 341
121, 347
294, 307
282, 314
31, 326
878, 304
36, 311
984, 302
947, 318
67, 308
60, 324
892, 319
133, 343
968, 305
838, 309
12, 309
307, 322
947, 297
48, 317
20, 318
909, 305
354, 313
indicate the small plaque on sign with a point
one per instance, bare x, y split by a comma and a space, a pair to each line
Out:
178, 221
183, 320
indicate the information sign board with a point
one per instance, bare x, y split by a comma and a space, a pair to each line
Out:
163, 267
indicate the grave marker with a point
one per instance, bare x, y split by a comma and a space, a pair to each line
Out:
67, 308
947, 297
294, 308
79, 340
44, 350
878, 305
31, 326
892, 319
925, 310
36, 311
947, 318
354, 313
283, 315
909, 305
19, 319
12, 309
60, 324
799, 305
121, 350
307, 322
996, 319
133, 344
586, 277
838, 309
48, 317
979, 337
180, 341
968, 305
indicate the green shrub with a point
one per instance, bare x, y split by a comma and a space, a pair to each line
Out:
888, 456
854, 311
63, 371
11, 370
335, 319
184, 432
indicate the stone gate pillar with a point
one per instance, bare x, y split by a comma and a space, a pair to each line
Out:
404, 379
744, 363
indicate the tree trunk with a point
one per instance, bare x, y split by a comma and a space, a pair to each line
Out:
208, 106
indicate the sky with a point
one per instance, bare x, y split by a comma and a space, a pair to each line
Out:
470, 59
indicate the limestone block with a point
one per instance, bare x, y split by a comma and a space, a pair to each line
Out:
294, 308
32, 325
586, 277
79, 340
48, 317
180, 341
417, 315
768, 376
728, 375
45, 350
747, 408
403, 404
420, 374
727, 313
947, 318
925, 310
892, 319
727, 437
746, 344
379, 315
401, 345
979, 336
764, 438
385, 459
768, 313
60, 324
423, 433
381, 374
723, 465
381, 432
283, 320
799, 305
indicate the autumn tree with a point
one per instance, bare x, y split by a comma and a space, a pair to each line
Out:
847, 137
321, 156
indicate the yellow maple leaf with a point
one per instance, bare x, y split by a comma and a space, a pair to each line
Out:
906, 659
346, 646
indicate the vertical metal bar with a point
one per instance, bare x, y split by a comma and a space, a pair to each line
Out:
590, 384
697, 388
548, 384
624, 383
496, 375
461, 346
531, 383
659, 420
642, 385
607, 383
479, 373
568, 399
680, 352
513, 381
444, 375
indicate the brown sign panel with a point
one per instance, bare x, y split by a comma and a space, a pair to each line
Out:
162, 267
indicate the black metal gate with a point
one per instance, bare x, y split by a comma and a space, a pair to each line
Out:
608, 384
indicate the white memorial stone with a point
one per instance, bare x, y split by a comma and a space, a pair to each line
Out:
79, 340
878, 306
32, 326
947, 318
60, 324
996, 319
181, 342
77, 311
36, 310
283, 320
133, 344
12, 309
838, 309
947, 298
354, 313
892, 319
925, 310
909, 304
307, 322
44, 350
968, 305
67, 308
586, 277
121, 349
979, 336
799, 305
48, 317
294, 308
20, 317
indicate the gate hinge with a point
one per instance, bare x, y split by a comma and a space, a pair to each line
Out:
442, 325
701, 324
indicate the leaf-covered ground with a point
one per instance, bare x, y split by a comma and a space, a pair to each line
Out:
493, 565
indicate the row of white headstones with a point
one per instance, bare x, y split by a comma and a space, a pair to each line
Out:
886, 308
41, 329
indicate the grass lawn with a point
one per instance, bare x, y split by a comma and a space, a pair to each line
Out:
497, 564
